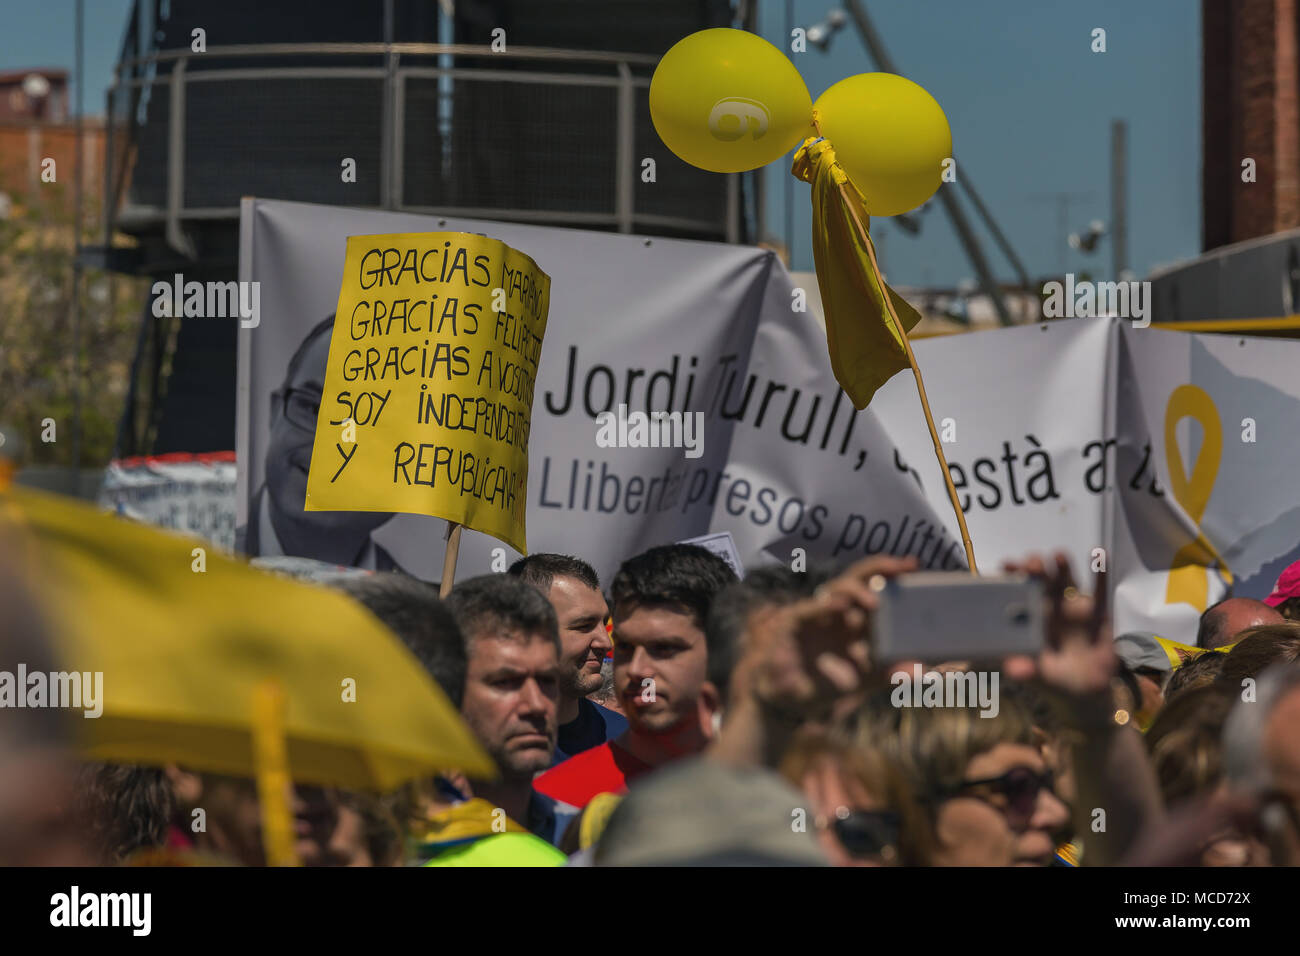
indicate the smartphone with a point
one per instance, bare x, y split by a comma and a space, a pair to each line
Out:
936, 616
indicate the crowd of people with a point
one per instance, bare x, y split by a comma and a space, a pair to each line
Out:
681, 716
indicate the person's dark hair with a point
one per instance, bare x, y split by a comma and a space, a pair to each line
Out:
412, 610
1258, 648
1197, 672
542, 568
1211, 622
124, 808
1046, 718
25, 638
1185, 742
325, 326
683, 577
730, 610
382, 828
1289, 609
499, 604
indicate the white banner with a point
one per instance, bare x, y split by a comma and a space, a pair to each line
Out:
1030, 420
1205, 446
652, 324
193, 494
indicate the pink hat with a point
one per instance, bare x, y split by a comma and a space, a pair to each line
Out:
1288, 585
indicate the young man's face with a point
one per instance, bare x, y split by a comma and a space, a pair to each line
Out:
511, 685
583, 641
659, 666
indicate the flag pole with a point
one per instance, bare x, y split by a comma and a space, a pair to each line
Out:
449, 558
916, 369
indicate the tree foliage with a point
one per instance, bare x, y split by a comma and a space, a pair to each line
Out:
40, 373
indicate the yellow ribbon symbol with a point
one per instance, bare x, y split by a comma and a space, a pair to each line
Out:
1189, 580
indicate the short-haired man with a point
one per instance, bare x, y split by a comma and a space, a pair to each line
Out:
1222, 622
412, 610
511, 684
763, 590
661, 601
573, 589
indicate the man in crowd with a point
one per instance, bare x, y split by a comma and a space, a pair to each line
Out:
661, 602
412, 610
573, 589
512, 650
1222, 622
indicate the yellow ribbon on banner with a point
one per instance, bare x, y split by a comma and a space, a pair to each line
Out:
1189, 580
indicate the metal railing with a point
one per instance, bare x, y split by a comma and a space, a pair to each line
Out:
619, 80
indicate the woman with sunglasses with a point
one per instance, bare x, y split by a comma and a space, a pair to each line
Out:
982, 781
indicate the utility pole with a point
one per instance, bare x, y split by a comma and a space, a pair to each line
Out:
974, 252
1119, 196
789, 179
76, 258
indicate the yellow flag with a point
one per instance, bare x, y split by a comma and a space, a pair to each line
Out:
170, 649
864, 346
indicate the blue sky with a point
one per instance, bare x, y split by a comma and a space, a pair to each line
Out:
1029, 104
1030, 108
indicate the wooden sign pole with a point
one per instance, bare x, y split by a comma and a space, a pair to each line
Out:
449, 558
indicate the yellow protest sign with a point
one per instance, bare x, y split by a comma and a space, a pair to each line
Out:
428, 391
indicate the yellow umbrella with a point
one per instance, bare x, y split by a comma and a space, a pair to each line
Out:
216, 666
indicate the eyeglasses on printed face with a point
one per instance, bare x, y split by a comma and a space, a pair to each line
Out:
301, 406
1016, 792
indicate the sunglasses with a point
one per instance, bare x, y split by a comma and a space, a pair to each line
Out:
1017, 790
866, 834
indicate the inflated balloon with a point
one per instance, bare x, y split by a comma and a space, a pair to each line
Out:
890, 136
728, 101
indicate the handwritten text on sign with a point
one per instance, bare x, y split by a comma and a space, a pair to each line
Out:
429, 386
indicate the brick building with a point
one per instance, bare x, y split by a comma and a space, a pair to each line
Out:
35, 125
1250, 110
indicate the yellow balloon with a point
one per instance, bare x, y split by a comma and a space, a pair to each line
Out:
890, 136
728, 101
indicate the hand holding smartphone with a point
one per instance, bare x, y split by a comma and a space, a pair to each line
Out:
938, 616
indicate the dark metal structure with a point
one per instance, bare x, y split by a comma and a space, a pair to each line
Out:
219, 99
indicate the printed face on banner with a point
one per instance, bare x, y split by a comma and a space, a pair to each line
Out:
427, 404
